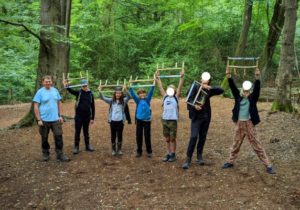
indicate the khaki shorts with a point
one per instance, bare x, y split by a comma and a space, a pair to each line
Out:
169, 128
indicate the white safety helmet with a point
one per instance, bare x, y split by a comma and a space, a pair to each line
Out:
247, 85
205, 76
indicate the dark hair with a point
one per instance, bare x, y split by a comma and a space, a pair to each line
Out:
121, 98
141, 90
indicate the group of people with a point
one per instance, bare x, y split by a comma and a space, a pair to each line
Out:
48, 111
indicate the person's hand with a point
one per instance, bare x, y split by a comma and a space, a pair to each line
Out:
257, 73
197, 107
91, 122
66, 83
182, 73
228, 73
61, 120
40, 123
206, 86
157, 75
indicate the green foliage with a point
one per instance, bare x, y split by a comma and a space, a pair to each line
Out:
19, 51
116, 39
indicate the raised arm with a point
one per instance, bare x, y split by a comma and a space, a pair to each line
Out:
256, 87
104, 98
161, 88
133, 95
150, 94
70, 90
180, 84
235, 91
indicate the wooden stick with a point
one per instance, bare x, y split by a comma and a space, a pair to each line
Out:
136, 86
71, 86
165, 69
243, 58
242, 67
80, 75
169, 76
141, 80
176, 65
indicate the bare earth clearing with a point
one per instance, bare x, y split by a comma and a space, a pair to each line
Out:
99, 181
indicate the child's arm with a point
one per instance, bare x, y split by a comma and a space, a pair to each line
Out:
133, 95
161, 89
104, 98
180, 84
150, 94
235, 91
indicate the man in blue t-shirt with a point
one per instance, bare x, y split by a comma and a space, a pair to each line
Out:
48, 111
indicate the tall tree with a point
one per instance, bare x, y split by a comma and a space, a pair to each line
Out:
54, 47
287, 59
275, 28
241, 46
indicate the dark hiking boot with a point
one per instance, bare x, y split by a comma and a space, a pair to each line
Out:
270, 170
89, 148
227, 165
76, 150
166, 158
187, 163
149, 155
200, 160
62, 157
46, 155
172, 157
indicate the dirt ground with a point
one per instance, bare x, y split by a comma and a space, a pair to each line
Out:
99, 181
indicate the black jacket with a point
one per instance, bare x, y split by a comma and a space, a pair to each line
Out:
86, 103
205, 112
253, 98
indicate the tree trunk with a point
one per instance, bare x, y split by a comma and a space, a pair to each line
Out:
241, 46
53, 59
287, 60
275, 28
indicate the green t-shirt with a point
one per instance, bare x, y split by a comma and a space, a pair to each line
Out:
244, 114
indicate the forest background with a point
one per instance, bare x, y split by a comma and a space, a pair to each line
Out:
114, 39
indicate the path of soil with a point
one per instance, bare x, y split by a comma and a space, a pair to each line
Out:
99, 181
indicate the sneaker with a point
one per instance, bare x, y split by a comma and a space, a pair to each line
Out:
120, 152
270, 170
76, 150
187, 163
227, 165
89, 148
149, 155
172, 157
63, 158
201, 162
46, 156
166, 158
138, 155
113, 153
